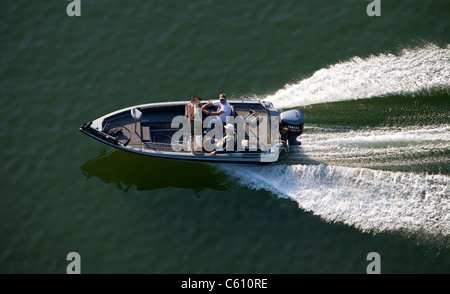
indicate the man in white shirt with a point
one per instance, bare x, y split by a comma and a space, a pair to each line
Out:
223, 108
227, 143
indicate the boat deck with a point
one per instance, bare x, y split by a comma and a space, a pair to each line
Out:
147, 130
142, 135
154, 132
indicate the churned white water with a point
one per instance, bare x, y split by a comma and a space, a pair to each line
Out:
373, 200
326, 144
414, 70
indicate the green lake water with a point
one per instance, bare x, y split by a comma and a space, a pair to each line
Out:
372, 174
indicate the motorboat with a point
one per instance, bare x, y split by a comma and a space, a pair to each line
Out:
260, 132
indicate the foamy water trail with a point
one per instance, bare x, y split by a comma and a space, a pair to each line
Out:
375, 146
413, 71
377, 137
328, 175
370, 200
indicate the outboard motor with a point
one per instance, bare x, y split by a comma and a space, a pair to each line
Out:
291, 126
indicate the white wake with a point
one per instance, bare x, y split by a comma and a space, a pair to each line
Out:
368, 199
373, 145
413, 71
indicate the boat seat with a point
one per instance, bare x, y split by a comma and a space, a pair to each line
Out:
136, 114
144, 131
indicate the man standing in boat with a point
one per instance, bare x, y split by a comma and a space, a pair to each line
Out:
223, 108
195, 118
215, 126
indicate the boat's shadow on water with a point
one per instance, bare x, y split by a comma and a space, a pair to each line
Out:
126, 170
